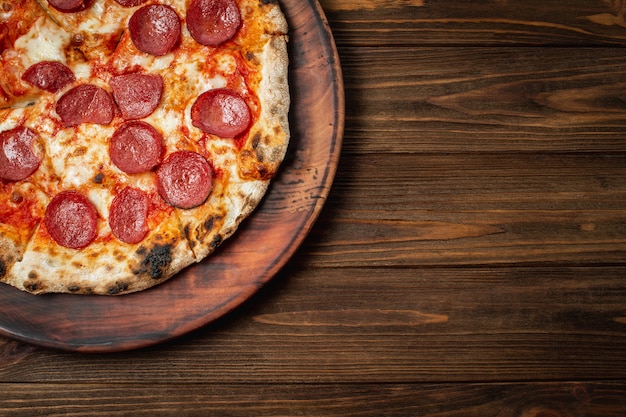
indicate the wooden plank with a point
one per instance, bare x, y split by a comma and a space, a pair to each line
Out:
379, 185
421, 209
396, 325
421, 238
484, 99
486, 22
592, 399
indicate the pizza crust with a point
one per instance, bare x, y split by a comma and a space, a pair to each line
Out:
269, 137
10, 251
98, 269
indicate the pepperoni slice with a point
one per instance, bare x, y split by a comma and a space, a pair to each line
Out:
130, 3
212, 22
18, 159
49, 75
71, 219
136, 147
70, 6
185, 179
128, 215
137, 95
86, 103
221, 112
155, 29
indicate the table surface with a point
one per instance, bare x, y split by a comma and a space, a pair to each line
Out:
470, 259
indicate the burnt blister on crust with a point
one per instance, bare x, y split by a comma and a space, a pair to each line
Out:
156, 261
209, 223
256, 140
31, 286
187, 232
118, 288
3, 268
201, 233
208, 228
217, 240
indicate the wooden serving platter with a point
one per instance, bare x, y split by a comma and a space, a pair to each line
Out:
264, 243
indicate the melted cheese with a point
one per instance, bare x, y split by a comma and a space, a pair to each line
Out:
11, 119
101, 199
45, 41
77, 154
103, 18
153, 63
82, 70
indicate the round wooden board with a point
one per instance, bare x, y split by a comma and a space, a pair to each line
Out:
264, 243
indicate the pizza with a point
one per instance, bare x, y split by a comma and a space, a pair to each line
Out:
135, 135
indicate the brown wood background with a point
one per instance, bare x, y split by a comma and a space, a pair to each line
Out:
470, 259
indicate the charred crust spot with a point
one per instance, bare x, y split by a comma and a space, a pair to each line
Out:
31, 285
98, 179
156, 260
209, 223
117, 288
73, 288
3, 268
190, 241
217, 240
264, 173
256, 139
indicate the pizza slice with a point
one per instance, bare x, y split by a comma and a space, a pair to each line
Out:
75, 250
105, 228
27, 180
22, 206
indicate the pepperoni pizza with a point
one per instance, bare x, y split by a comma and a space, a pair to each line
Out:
135, 135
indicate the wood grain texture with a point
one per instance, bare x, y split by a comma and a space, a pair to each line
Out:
601, 399
470, 259
478, 23
381, 325
474, 209
484, 100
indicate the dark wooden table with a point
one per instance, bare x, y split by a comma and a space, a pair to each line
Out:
470, 259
